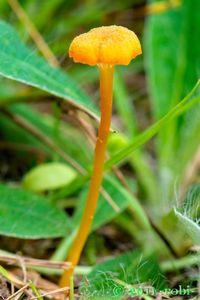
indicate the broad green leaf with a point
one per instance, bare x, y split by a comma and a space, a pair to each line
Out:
190, 226
48, 176
122, 276
161, 56
28, 216
19, 63
172, 54
105, 212
172, 65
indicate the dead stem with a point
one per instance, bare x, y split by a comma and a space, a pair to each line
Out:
57, 291
19, 260
39, 135
18, 292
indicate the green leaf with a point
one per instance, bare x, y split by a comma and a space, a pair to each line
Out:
117, 277
19, 63
25, 215
48, 176
172, 65
191, 227
161, 56
172, 54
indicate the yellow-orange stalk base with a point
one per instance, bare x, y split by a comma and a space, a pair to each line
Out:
106, 87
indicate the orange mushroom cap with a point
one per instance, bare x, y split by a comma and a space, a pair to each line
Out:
105, 45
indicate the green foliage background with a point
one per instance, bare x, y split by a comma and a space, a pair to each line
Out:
42, 115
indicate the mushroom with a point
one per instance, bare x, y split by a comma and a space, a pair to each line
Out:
105, 47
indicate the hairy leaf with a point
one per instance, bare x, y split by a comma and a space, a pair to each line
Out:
123, 276
190, 226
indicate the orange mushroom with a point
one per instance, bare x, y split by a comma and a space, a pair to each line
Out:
104, 46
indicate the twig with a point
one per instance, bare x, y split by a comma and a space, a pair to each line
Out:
110, 201
18, 292
11, 278
121, 178
52, 292
34, 33
23, 267
43, 138
14, 259
84, 126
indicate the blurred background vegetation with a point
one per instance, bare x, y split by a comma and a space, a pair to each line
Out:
151, 198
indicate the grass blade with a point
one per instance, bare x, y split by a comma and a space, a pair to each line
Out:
152, 130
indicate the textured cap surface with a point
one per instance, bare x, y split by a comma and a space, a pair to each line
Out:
105, 45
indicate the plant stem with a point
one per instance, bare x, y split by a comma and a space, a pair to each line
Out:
106, 83
183, 262
71, 295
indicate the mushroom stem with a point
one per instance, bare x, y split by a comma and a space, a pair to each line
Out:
106, 87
